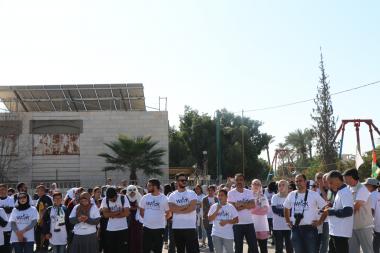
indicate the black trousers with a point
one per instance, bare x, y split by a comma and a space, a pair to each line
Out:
338, 244
6, 248
186, 239
281, 236
153, 240
117, 241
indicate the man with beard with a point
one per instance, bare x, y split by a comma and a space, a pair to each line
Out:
7, 204
115, 207
154, 209
135, 227
242, 199
182, 203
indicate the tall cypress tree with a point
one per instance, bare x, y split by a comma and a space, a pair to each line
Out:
324, 122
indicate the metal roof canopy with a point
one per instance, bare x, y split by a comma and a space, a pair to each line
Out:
87, 97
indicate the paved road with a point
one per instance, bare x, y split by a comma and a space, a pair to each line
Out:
270, 249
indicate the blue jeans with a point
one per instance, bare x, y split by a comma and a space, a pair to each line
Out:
209, 237
23, 247
304, 239
59, 248
247, 231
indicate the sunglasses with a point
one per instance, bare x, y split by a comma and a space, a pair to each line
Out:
131, 190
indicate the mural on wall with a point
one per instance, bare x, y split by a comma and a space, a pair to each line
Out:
8, 145
56, 144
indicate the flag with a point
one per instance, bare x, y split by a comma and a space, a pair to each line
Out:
358, 159
375, 168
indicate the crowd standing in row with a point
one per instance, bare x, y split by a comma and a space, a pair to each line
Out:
335, 213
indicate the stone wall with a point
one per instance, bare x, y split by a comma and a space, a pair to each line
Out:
98, 128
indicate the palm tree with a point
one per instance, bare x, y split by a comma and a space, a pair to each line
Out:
133, 155
296, 140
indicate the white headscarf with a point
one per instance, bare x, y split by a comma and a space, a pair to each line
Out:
137, 196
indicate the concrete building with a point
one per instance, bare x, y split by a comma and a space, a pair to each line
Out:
58, 131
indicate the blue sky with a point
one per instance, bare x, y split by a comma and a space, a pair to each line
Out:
206, 54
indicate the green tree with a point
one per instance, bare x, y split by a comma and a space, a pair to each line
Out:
324, 122
301, 141
197, 133
133, 155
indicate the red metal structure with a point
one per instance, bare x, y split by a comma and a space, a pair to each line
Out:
284, 153
356, 123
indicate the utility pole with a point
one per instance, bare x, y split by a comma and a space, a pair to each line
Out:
242, 141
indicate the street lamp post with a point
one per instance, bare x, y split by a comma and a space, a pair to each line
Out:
205, 169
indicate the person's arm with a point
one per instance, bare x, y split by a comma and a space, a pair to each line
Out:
191, 207
168, 214
278, 210
358, 204
14, 226
123, 213
46, 223
233, 221
142, 212
213, 214
341, 213
287, 217
29, 227
206, 207
175, 208
93, 221
107, 213
3, 219
74, 220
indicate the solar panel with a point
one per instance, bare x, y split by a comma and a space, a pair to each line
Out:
88, 97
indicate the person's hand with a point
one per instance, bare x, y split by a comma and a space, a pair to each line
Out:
316, 223
47, 236
290, 224
218, 207
84, 218
20, 236
223, 222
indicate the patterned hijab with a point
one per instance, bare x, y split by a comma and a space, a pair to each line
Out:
84, 209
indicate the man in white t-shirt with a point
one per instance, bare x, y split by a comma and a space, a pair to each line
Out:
182, 204
363, 220
301, 211
375, 204
7, 203
340, 214
154, 209
115, 207
242, 199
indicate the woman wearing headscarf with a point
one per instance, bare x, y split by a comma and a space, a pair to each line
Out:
259, 214
23, 219
134, 224
85, 216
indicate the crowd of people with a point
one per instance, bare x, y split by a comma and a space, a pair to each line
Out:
333, 213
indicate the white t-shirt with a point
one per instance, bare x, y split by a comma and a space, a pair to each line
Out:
7, 202
375, 205
58, 223
245, 216
342, 226
83, 228
313, 203
227, 212
116, 224
155, 208
261, 221
269, 196
4, 216
279, 222
23, 219
183, 220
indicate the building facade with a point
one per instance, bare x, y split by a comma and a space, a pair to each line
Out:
62, 146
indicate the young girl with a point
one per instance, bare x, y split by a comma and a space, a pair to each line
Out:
281, 230
55, 224
23, 219
259, 214
223, 215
